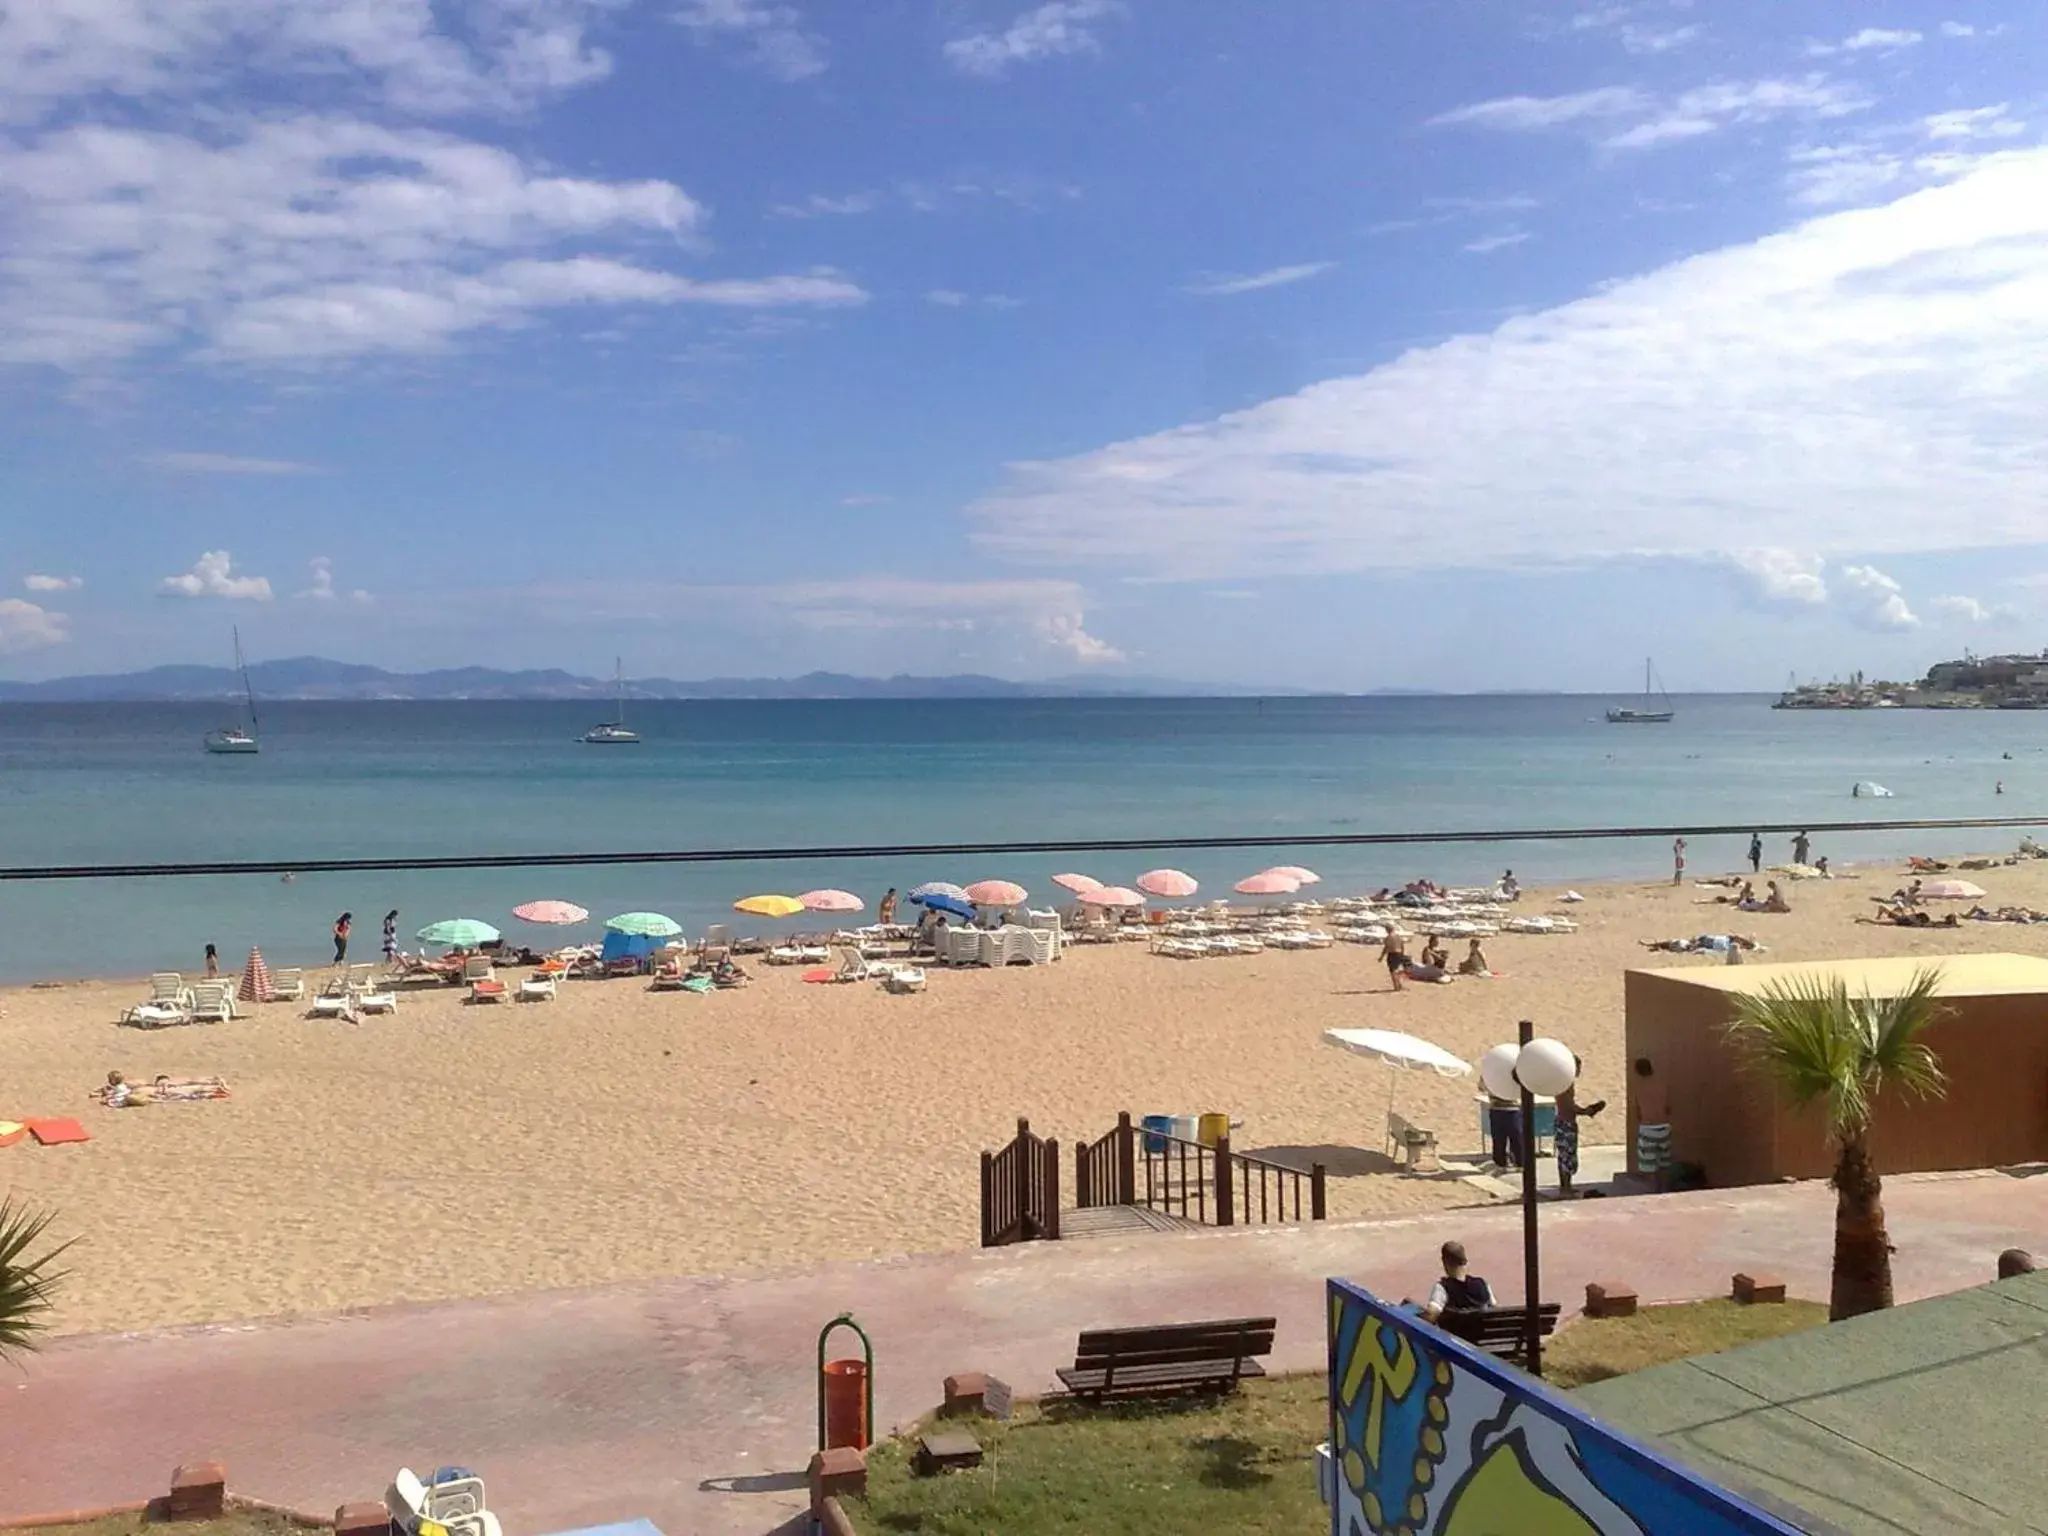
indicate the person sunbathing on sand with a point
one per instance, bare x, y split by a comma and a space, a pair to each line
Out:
1775, 901
1434, 955
119, 1094
1475, 962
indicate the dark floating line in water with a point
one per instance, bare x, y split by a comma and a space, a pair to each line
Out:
947, 850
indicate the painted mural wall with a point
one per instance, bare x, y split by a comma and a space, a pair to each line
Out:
1431, 1438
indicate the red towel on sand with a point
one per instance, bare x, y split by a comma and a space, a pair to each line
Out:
55, 1132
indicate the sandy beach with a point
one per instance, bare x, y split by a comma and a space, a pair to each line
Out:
451, 1150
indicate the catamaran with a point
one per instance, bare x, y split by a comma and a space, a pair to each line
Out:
1649, 714
234, 738
613, 732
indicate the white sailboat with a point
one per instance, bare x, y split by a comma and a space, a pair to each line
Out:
235, 739
613, 732
1650, 713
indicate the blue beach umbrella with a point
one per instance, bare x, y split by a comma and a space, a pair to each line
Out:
938, 888
939, 901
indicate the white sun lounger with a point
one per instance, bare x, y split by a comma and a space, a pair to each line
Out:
385, 1001
537, 989
286, 987
157, 1015
213, 1002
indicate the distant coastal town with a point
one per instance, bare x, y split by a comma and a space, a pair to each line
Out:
2017, 681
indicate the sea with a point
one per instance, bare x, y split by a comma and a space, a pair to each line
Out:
95, 784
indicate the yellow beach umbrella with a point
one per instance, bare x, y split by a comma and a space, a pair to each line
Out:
769, 906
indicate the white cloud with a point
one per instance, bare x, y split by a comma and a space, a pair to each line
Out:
1870, 39
1957, 29
322, 588
774, 36
864, 499
1064, 632
1529, 114
1659, 39
1060, 27
1224, 284
506, 55
1500, 240
302, 239
953, 298
212, 575
53, 583
818, 206
1873, 599
1785, 578
1863, 384
226, 464
1956, 609
1895, 158
26, 627
1660, 119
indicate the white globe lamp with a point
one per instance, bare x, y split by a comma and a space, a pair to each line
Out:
1497, 1071
1545, 1067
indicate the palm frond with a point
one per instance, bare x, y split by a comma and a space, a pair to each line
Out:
27, 1286
1823, 1046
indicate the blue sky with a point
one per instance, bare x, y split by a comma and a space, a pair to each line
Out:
1312, 342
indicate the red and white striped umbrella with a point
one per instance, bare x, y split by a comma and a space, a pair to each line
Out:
1295, 873
1168, 882
1112, 896
556, 912
1267, 882
997, 893
255, 986
831, 901
1078, 884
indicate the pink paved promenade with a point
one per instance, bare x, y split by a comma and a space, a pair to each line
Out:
690, 1401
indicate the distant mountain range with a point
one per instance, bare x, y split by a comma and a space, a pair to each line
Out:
312, 677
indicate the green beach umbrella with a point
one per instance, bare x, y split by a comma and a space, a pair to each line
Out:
462, 932
651, 925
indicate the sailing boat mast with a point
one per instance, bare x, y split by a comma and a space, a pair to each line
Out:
248, 693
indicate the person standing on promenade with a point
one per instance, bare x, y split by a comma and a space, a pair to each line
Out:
1650, 1107
1756, 853
1802, 845
342, 925
1565, 1139
1678, 861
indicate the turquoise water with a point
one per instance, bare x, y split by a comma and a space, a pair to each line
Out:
89, 784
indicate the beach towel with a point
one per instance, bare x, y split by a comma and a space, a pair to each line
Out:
697, 984
11, 1131
56, 1132
820, 973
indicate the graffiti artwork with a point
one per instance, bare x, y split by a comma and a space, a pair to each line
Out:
1430, 1438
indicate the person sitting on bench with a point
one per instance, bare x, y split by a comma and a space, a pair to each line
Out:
1457, 1291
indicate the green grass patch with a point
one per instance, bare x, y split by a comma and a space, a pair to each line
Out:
1240, 1464
1595, 1349
236, 1522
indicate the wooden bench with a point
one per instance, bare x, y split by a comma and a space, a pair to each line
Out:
1501, 1331
1409, 1141
1170, 1357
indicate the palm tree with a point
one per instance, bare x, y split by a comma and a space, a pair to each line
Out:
26, 1285
1823, 1046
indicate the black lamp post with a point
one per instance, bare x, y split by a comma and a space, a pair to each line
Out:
1544, 1066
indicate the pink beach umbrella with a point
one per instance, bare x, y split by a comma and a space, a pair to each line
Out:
997, 893
1168, 882
1268, 882
1080, 885
1112, 896
829, 900
558, 913
1295, 873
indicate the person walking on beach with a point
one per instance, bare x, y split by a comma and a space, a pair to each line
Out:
1394, 951
1756, 853
885, 914
212, 962
342, 924
1802, 845
391, 937
1678, 861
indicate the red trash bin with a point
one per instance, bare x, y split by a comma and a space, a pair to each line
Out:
845, 1386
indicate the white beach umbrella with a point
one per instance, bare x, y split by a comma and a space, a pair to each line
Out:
1406, 1052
